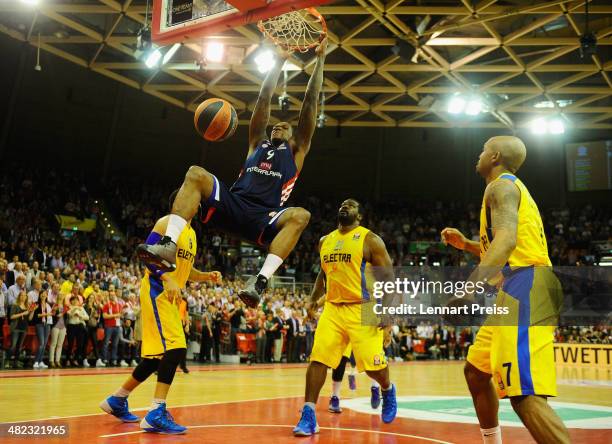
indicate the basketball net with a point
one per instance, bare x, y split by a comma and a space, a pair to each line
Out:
296, 30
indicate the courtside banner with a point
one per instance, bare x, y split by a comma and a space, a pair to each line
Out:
521, 296
591, 355
74, 224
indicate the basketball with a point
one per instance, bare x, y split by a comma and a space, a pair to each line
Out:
215, 120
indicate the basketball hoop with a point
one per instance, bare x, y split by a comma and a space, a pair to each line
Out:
296, 30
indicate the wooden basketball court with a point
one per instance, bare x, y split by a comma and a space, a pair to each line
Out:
229, 404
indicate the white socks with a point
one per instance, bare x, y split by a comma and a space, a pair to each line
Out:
336, 385
375, 384
122, 393
156, 403
270, 265
491, 436
175, 227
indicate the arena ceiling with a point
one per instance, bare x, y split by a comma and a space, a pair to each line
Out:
523, 58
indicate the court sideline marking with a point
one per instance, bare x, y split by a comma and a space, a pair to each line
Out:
403, 435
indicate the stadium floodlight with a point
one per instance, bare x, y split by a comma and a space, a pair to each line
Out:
30, 2
214, 52
170, 53
556, 126
539, 126
456, 105
265, 61
474, 107
153, 58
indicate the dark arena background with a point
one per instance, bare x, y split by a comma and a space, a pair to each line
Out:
96, 132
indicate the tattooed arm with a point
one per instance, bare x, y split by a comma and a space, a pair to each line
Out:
503, 198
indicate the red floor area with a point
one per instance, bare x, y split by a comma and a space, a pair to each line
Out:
271, 421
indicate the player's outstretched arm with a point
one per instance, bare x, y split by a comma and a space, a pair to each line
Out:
454, 237
261, 112
503, 198
308, 114
196, 275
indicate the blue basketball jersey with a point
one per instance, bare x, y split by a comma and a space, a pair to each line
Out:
268, 175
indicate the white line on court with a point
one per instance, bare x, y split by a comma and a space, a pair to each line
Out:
342, 429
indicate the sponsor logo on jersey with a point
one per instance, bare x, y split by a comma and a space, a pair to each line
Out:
356, 236
339, 245
187, 255
336, 257
258, 170
265, 165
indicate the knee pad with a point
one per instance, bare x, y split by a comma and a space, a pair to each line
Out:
338, 372
145, 369
168, 364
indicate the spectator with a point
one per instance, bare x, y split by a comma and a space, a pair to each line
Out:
35, 291
292, 326
128, 344
3, 301
206, 344
309, 329
77, 332
260, 338
278, 336
20, 314
14, 290
111, 313
43, 320
58, 332
93, 310
216, 330
235, 319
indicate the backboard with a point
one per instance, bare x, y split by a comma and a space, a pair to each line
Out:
180, 20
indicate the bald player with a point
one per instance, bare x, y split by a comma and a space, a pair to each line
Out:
513, 355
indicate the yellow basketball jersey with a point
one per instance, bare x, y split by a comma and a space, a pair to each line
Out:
531, 248
162, 329
344, 266
186, 248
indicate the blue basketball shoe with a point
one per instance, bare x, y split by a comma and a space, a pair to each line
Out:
334, 405
389, 405
308, 423
160, 420
118, 407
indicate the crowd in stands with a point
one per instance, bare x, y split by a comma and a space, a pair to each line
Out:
584, 335
78, 291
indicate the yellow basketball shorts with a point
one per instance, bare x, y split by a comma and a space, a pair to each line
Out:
347, 351
520, 356
162, 329
339, 326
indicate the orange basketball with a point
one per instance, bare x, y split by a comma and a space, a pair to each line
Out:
215, 119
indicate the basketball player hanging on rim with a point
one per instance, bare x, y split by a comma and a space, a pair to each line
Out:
518, 352
253, 207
